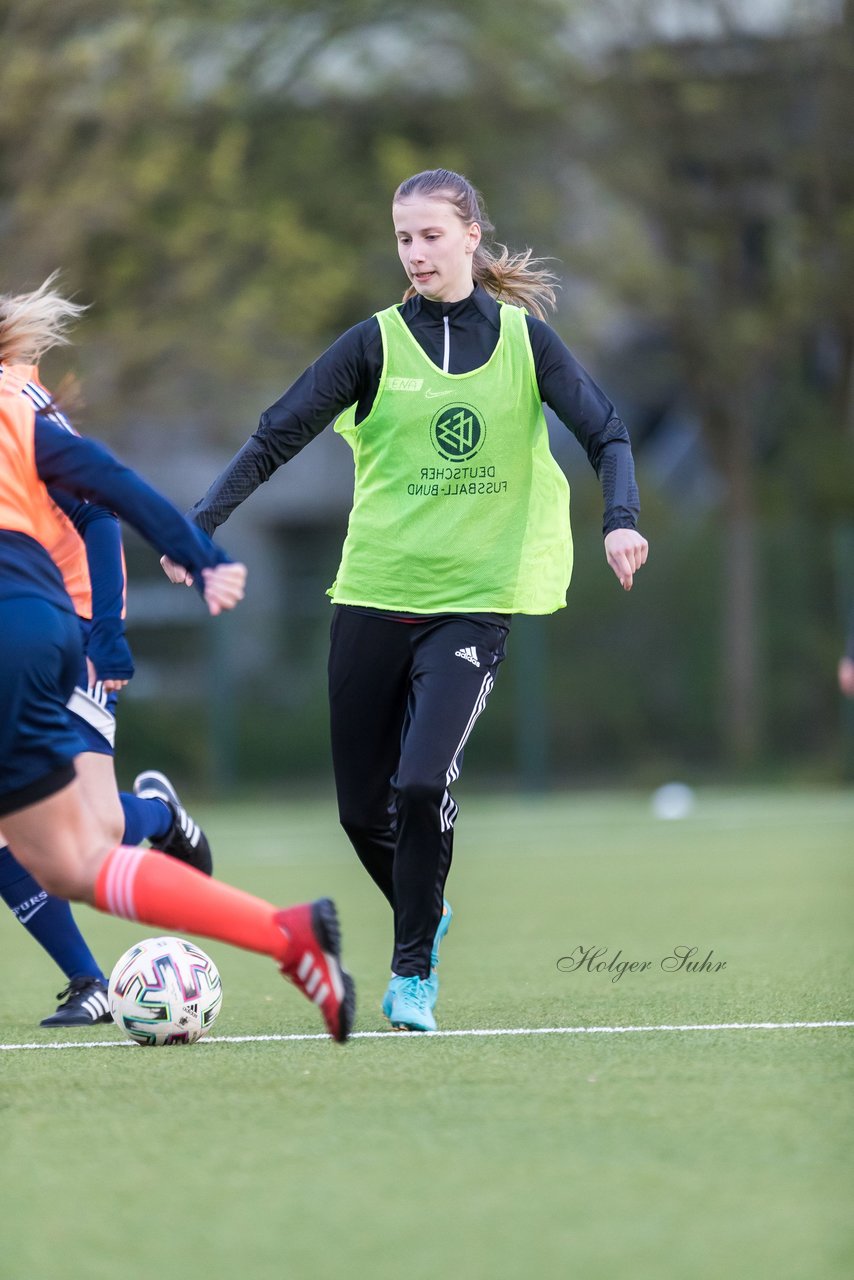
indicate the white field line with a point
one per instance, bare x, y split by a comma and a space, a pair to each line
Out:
473, 1032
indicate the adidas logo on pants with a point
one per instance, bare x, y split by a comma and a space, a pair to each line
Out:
470, 655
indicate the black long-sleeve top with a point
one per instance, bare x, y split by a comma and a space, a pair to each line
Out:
458, 337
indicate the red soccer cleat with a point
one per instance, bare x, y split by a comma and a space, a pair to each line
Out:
313, 963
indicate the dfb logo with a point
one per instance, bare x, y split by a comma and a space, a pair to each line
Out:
457, 432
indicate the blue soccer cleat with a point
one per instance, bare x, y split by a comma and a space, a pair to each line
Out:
444, 926
408, 1002
432, 982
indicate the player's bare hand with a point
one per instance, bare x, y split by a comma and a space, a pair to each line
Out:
846, 677
175, 572
626, 550
224, 586
109, 686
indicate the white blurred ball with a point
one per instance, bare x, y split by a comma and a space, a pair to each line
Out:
673, 801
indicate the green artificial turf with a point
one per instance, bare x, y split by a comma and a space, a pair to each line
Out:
647, 1155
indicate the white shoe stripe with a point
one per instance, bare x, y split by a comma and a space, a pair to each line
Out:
334, 970
160, 788
95, 1005
317, 984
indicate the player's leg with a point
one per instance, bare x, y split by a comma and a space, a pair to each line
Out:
454, 668
153, 811
49, 825
40, 658
49, 921
97, 777
54, 840
369, 661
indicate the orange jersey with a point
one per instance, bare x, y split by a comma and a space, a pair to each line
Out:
56, 532
25, 505
61, 540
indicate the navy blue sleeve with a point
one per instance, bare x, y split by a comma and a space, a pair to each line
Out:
107, 645
99, 528
88, 470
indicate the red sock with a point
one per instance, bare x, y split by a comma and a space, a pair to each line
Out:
145, 885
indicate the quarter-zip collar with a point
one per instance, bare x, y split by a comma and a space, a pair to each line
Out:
455, 318
478, 300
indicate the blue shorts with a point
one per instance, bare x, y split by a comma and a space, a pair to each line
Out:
40, 653
92, 711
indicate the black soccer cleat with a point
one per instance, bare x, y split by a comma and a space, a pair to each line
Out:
84, 1002
185, 839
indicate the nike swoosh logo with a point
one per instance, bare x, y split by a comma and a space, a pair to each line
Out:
431, 395
28, 917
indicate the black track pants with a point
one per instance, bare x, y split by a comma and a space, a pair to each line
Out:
404, 698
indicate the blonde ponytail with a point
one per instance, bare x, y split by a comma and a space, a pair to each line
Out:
519, 278
32, 323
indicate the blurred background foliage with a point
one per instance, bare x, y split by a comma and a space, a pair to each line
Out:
214, 178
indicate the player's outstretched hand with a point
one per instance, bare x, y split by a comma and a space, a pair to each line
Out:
626, 550
109, 685
224, 586
175, 572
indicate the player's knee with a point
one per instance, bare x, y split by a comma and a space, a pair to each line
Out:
358, 826
417, 791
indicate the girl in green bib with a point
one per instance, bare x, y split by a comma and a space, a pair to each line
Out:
460, 519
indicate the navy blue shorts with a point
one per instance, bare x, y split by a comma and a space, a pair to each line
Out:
92, 710
40, 654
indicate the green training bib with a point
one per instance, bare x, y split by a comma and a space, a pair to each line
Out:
459, 506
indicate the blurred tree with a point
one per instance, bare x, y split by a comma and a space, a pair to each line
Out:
732, 158
212, 175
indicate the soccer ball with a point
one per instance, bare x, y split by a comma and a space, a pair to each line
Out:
165, 991
673, 801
